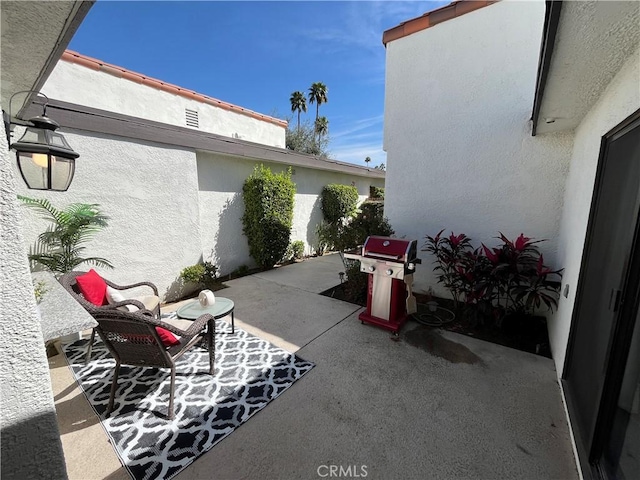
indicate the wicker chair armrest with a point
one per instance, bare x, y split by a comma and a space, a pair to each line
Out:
194, 329
133, 285
131, 301
199, 325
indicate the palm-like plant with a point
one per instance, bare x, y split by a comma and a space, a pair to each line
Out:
298, 104
367, 160
318, 95
59, 249
322, 126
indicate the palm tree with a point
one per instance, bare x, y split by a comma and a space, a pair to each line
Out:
322, 126
60, 248
367, 160
318, 95
298, 104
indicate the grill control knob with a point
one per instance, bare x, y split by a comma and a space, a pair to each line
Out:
372, 268
389, 272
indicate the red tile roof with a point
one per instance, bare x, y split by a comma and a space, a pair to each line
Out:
429, 19
95, 64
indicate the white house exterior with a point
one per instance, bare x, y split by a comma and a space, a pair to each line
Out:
116, 89
460, 135
173, 192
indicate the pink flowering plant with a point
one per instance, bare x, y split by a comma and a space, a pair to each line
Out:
510, 278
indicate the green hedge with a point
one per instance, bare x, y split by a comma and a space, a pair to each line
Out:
203, 274
376, 192
339, 202
268, 214
369, 221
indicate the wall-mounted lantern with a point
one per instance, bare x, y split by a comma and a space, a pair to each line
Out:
45, 160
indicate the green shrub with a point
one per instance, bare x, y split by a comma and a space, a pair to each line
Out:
355, 288
338, 202
203, 274
192, 274
268, 214
323, 243
241, 271
298, 249
376, 192
369, 221
328, 235
295, 251
348, 235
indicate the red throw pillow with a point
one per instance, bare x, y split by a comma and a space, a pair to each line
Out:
168, 338
93, 287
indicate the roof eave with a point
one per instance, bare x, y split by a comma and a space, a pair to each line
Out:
121, 72
434, 17
83, 118
550, 29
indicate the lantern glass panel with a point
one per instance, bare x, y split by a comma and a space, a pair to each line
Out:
35, 175
62, 170
34, 135
57, 140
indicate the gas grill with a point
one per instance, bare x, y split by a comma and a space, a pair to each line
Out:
390, 263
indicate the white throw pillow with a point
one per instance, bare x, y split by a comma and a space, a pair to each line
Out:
114, 296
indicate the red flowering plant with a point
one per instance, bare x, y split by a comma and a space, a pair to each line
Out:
508, 279
450, 258
522, 280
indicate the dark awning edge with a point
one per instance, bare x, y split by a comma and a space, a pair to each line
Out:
551, 21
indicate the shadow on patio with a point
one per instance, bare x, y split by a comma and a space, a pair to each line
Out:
430, 404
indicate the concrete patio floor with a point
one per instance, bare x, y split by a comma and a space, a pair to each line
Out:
431, 404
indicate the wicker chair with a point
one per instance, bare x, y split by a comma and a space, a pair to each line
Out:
132, 339
150, 303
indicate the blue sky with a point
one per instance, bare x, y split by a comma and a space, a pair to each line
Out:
255, 54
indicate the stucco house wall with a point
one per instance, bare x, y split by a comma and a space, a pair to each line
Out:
172, 202
150, 193
460, 155
31, 446
104, 90
172, 207
221, 206
620, 99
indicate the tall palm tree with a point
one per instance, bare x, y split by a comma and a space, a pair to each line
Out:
322, 126
367, 160
318, 95
298, 104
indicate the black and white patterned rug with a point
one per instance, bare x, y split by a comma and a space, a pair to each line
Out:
249, 373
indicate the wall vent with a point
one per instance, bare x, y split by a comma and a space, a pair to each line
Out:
192, 118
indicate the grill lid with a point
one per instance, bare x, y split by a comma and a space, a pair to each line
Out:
387, 248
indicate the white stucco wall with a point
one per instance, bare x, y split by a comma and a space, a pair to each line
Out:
619, 100
75, 83
31, 446
150, 192
221, 205
170, 207
460, 155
